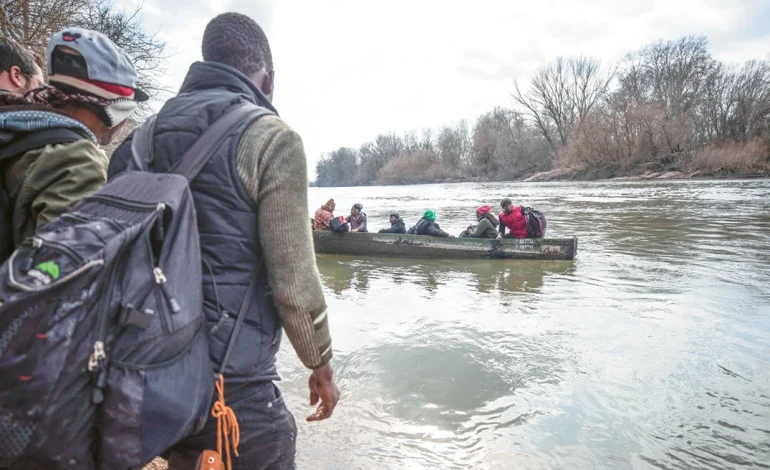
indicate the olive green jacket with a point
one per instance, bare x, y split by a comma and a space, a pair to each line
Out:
43, 183
485, 229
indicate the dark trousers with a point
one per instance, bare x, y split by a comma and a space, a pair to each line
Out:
268, 432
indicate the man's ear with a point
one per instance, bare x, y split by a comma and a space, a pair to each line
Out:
16, 77
268, 84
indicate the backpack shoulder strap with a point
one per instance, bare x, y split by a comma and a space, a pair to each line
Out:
239, 319
33, 140
142, 157
191, 163
203, 149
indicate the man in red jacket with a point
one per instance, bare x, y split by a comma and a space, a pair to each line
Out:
512, 218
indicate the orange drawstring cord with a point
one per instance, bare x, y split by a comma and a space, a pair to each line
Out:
227, 423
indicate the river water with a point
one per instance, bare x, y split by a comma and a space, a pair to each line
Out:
650, 350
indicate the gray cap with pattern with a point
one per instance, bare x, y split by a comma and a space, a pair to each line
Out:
105, 61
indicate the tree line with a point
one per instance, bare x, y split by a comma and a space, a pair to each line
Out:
667, 106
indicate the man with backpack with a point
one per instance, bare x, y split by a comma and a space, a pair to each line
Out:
49, 143
248, 251
20, 72
512, 218
522, 222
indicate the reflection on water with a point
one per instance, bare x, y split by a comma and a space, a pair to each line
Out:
650, 350
340, 273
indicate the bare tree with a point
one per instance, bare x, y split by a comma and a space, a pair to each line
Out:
546, 102
506, 146
669, 72
411, 144
426, 143
561, 94
125, 29
455, 145
736, 102
33, 22
338, 168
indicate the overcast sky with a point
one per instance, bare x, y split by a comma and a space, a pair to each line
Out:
348, 70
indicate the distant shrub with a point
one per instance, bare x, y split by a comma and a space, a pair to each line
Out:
733, 157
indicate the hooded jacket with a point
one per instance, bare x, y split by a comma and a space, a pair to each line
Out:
396, 227
427, 227
44, 183
322, 217
486, 228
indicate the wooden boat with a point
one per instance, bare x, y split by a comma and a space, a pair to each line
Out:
418, 246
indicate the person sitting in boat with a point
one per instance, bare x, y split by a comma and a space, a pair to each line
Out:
324, 215
513, 219
428, 226
357, 218
487, 226
397, 225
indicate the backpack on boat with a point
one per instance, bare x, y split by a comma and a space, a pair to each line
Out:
536, 222
14, 144
104, 351
339, 224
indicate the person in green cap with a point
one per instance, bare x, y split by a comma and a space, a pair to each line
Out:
428, 226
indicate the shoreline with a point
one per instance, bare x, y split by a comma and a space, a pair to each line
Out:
577, 175
605, 174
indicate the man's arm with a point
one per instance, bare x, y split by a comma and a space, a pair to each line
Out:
61, 176
271, 164
478, 231
436, 231
501, 230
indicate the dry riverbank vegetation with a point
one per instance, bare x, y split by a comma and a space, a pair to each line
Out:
669, 109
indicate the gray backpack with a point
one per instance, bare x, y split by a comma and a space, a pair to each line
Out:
104, 352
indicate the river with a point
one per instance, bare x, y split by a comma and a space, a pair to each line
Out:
650, 350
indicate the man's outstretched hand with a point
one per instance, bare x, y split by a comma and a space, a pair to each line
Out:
323, 388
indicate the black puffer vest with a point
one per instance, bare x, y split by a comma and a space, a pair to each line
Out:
227, 218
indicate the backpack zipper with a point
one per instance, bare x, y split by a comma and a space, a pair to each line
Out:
86, 220
38, 243
132, 205
99, 354
165, 298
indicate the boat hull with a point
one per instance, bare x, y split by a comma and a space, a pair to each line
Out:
417, 246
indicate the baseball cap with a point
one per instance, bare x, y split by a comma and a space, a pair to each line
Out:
106, 66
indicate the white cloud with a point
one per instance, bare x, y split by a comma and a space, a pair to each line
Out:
347, 70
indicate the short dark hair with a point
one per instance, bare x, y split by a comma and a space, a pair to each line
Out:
236, 40
14, 54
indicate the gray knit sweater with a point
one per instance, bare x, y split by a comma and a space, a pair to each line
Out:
271, 164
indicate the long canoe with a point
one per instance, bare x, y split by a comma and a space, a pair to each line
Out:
417, 246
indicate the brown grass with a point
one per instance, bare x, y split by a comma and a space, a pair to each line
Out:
733, 157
